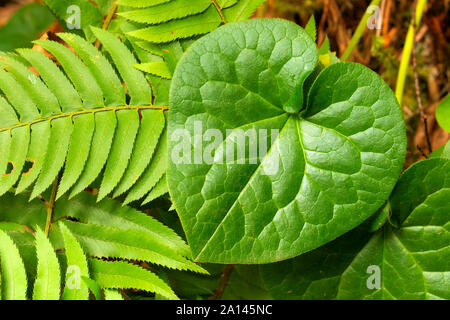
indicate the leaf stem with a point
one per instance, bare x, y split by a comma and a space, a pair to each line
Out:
407, 50
219, 10
224, 279
51, 205
359, 32
86, 111
107, 21
423, 116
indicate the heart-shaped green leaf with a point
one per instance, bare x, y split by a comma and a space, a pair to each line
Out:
334, 154
411, 262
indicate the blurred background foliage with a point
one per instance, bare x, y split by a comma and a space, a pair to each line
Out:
22, 21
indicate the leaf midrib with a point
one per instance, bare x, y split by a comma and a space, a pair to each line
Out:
81, 112
243, 190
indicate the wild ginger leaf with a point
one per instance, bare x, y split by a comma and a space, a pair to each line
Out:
424, 184
408, 262
380, 218
316, 274
338, 156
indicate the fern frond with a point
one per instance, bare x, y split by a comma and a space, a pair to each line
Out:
109, 212
170, 26
180, 29
112, 294
157, 68
243, 10
152, 125
123, 275
103, 230
13, 276
159, 190
141, 3
157, 169
171, 10
93, 287
110, 242
181, 19
79, 117
77, 267
91, 15
48, 279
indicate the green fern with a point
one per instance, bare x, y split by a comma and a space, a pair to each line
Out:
14, 278
182, 19
76, 262
82, 119
169, 24
48, 279
91, 14
84, 232
123, 275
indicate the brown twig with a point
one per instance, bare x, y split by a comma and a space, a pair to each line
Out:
219, 10
386, 17
422, 152
423, 116
224, 278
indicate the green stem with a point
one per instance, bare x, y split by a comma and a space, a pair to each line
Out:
359, 32
407, 50
107, 21
51, 205
85, 111
219, 10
